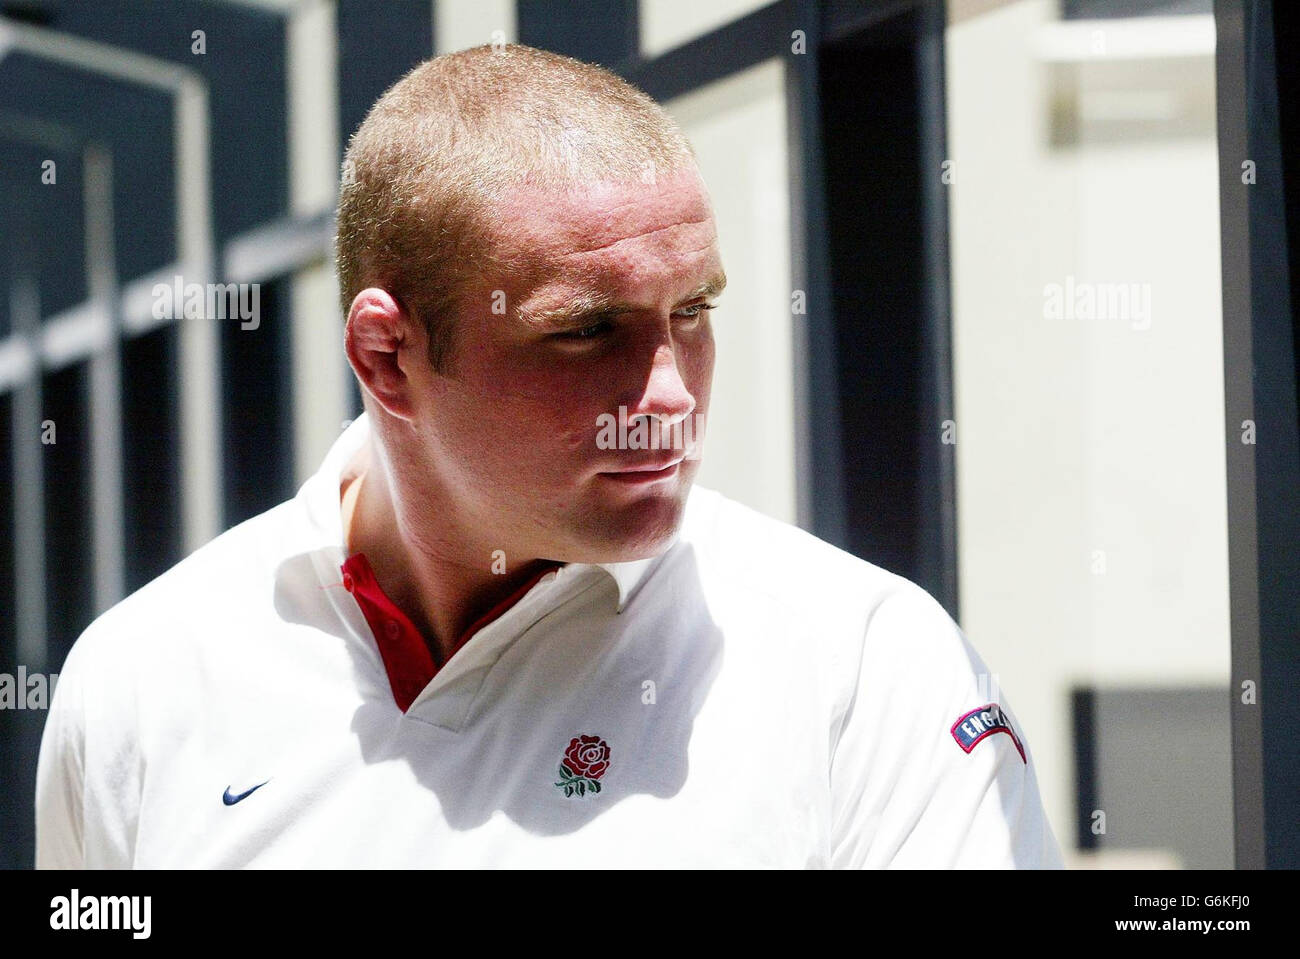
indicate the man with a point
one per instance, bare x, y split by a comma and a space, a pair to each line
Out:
499, 627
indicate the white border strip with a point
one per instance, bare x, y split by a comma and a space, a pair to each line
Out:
29, 492
105, 398
1127, 38
279, 248
17, 362
75, 334
137, 300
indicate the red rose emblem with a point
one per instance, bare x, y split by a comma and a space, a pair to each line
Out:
584, 762
587, 756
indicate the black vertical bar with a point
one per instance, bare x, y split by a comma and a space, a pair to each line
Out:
13, 853
65, 447
882, 113
596, 31
819, 465
8, 585
1243, 574
1260, 379
257, 407
936, 511
1274, 217
1083, 712
378, 44
151, 478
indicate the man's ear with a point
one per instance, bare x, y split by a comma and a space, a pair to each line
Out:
378, 339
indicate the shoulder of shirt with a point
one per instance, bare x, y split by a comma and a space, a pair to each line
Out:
755, 553
875, 633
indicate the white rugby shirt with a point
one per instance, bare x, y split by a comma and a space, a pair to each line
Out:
753, 697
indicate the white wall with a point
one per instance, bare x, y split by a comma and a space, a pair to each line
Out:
1078, 436
737, 127
320, 376
458, 24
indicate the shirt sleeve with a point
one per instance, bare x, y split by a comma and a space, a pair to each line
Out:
60, 779
931, 769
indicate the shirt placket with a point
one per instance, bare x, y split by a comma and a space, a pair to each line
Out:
445, 701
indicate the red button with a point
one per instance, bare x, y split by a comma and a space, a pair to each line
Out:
347, 582
392, 627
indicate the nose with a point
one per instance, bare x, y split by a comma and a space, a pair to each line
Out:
665, 395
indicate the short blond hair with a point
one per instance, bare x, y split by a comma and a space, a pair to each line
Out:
457, 133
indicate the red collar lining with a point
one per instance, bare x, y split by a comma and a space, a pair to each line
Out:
408, 659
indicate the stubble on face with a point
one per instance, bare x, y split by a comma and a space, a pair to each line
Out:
511, 433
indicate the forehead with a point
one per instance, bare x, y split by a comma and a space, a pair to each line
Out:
637, 231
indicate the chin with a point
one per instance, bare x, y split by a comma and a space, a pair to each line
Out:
638, 528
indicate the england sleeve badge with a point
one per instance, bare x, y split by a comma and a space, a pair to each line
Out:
974, 727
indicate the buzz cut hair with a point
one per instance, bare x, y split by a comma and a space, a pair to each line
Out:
453, 137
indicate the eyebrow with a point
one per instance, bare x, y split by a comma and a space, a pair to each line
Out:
589, 303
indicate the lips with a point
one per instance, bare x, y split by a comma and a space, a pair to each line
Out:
660, 465
644, 474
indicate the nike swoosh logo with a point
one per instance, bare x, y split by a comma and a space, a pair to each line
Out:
230, 800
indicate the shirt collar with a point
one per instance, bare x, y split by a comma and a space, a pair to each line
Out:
322, 496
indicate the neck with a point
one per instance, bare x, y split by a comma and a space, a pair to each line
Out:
444, 583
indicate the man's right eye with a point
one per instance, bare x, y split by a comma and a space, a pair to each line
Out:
585, 332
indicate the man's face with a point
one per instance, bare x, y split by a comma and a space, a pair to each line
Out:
601, 308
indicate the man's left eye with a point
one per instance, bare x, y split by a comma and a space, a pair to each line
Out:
696, 310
